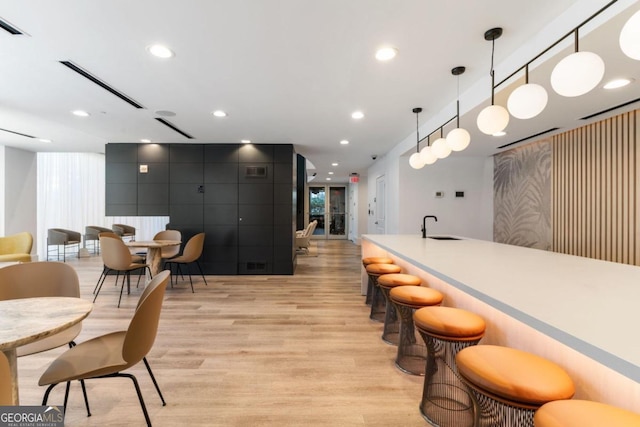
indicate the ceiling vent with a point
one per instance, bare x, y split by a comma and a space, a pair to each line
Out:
528, 137
100, 83
624, 104
172, 126
17, 133
10, 28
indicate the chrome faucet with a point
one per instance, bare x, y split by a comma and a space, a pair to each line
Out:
424, 226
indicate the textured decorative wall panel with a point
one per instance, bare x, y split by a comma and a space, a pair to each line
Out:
522, 196
595, 190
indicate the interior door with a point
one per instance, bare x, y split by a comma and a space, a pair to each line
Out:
328, 205
380, 205
316, 196
337, 212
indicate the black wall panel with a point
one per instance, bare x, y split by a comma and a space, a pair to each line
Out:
255, 194
241, 195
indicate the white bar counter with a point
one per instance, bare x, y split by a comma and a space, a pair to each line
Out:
579, 312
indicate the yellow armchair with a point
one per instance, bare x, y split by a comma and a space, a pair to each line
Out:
16, 247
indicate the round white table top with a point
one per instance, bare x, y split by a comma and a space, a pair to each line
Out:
152, 243
26, 320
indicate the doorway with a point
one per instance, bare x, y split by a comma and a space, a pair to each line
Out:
327, 204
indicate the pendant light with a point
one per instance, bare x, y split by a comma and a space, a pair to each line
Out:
528, 100
440, 147
415, 161
426, 154
458, 139
630, 37
577, 73
493, 118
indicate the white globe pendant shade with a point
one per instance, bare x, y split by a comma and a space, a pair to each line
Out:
527, 101
427, 156
440, 148
415, 161
458, 139
630, 37
493, 119
577, 74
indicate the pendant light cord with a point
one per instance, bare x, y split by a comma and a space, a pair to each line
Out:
491, 72
458, 102
417, 135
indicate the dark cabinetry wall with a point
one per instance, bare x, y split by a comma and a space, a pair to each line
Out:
242, 196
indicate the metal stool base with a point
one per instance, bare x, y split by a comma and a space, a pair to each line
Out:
378, 305
412, 352
446, 400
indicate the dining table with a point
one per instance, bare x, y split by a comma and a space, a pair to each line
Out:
26, 320
154, 251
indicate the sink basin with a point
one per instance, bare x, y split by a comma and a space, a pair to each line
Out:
443, 238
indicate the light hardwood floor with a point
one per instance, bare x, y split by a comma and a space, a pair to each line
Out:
248, 351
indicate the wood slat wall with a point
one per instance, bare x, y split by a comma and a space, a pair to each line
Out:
595, 190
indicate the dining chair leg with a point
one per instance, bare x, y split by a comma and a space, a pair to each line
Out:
201, 273
66, 394
191, 281
45, 398
99, 286
140, 398
84, 389
124, 276
104, 271
153, 378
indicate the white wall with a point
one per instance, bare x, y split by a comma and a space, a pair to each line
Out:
469, 216
20, 184
357, 210
386, 166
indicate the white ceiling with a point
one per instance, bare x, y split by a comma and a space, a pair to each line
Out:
286, 71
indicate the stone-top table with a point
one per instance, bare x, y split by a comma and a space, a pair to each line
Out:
25, 320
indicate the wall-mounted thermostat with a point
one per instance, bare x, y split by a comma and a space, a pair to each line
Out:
439, 194
459, 193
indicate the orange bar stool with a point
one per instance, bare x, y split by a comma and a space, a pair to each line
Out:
373, 260
412, 351
386, 282
583, 413
377, 300
446, 401
510, 385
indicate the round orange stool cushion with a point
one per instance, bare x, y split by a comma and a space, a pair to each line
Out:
398, 279
415, 296
515, 375
583, 413
450, 323
376, 260
380, 269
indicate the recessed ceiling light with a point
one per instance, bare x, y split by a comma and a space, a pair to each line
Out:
145, 140
344, 142
386, 53
334, 164
246, 141
357, 115
160, 51
330, 173
501, 133
616, 83
328, 179
45, 140
80, 113
219, 113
